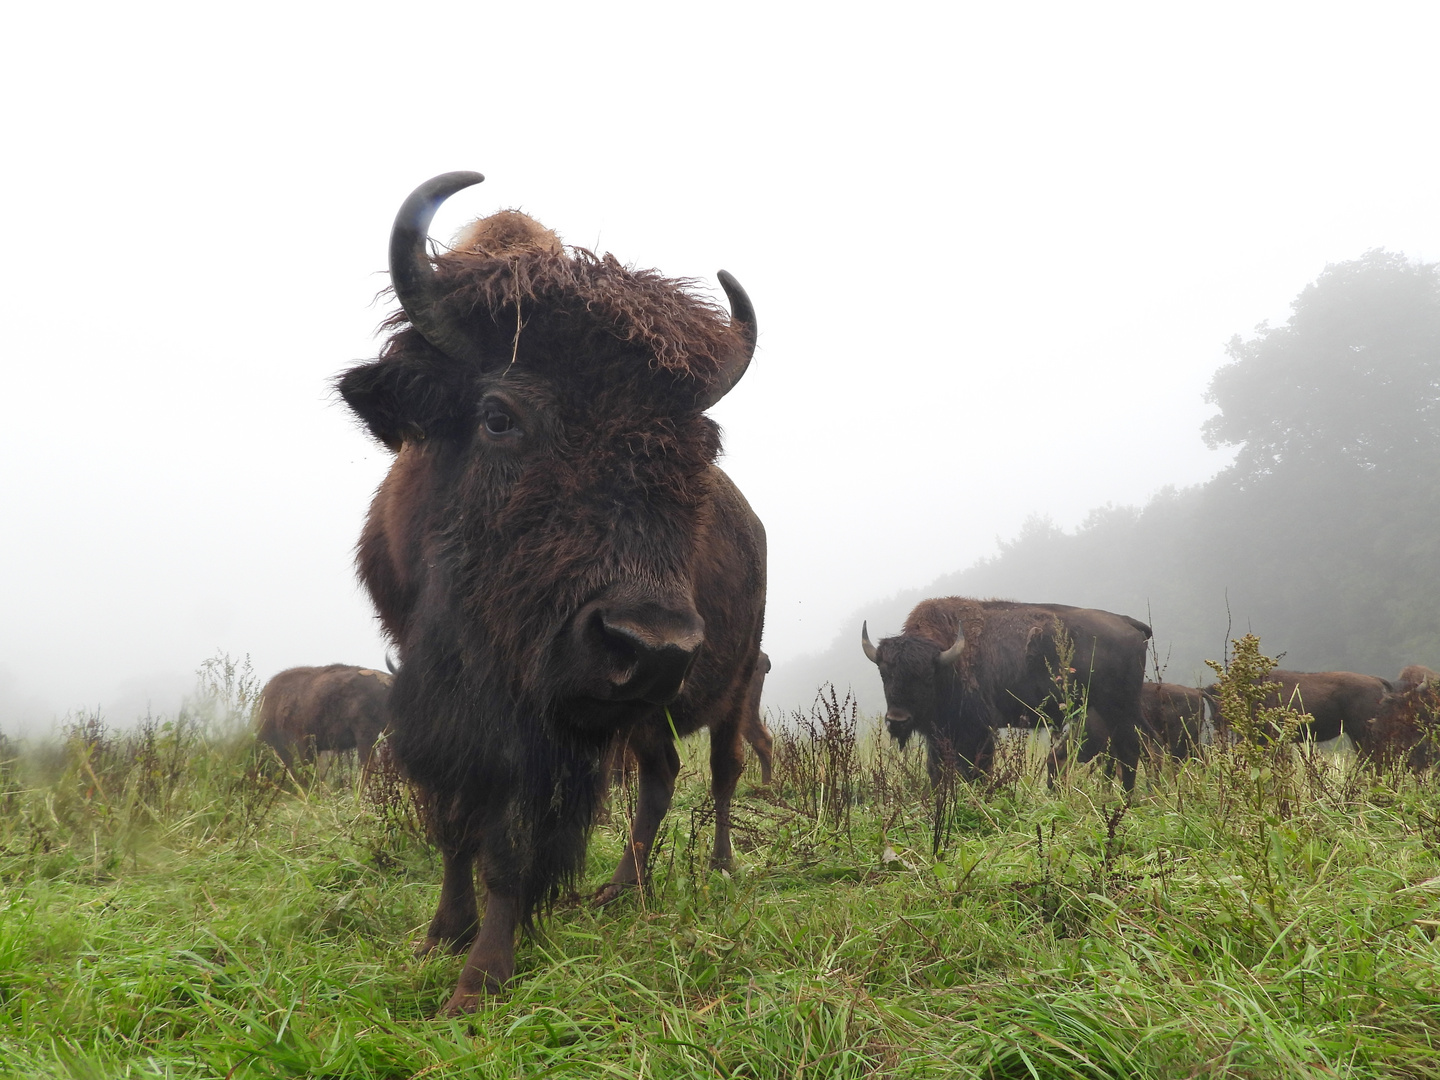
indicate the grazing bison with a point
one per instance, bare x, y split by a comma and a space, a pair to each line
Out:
1336, 701
1406, 726
337, 707
1173, 716
1415, 675
554, 553
962, 669
754, 730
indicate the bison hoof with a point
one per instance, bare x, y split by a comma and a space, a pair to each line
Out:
434, 946
464, 1002
610, 892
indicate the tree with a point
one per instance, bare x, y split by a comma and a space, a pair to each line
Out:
1353, 378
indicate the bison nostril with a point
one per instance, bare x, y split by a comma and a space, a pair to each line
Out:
622, 650
643, 652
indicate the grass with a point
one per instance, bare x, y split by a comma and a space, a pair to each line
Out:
158, 920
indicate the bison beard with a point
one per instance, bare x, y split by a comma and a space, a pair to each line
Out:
555, 554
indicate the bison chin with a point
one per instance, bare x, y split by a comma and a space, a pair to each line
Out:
900, 727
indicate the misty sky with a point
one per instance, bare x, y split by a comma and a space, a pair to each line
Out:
995, 251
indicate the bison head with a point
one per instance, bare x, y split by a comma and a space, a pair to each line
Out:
912, 670
537, 533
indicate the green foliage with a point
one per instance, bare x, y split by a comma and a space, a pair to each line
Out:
1351, 380
1061, 933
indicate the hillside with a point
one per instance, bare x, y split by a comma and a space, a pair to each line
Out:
1323, 537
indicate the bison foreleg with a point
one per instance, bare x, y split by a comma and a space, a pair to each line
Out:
492, 958
727, 761
456, 919
658, 765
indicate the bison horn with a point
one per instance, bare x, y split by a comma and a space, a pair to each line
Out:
410, 271
742, 314
950, 655
870, 652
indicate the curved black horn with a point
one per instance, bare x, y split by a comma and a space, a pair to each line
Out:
870, 652
410, 271
742, 314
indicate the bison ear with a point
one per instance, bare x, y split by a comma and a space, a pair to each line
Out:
400, 400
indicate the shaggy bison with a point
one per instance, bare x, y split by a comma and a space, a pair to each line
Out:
554, 552
1173, 716
1336, 701
337, 707
962, 669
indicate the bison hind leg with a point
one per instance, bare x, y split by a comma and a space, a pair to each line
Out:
457, 921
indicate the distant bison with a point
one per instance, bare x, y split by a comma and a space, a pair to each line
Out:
337, 707
554, 552
1406, 726
1416, 675
1174, 715
1337, 701
962, 669
753, 726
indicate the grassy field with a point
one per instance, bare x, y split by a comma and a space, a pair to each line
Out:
169, 906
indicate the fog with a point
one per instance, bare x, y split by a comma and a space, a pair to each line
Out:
995, 252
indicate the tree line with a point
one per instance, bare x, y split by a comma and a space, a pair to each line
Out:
1323, 535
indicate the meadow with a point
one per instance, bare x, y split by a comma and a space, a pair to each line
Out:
172, 905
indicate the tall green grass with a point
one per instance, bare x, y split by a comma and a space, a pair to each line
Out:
172, 904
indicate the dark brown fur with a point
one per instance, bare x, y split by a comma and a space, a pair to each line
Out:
481, 553
1337, 701
752, 729
1406, 726
1173, 716
1006, 677
311, 709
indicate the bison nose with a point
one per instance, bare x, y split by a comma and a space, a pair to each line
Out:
639, 651
897, 716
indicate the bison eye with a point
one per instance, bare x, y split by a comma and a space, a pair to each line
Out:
497, 421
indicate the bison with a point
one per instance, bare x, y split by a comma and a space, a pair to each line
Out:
554, 554
1336, 701
1406, 725
1173, 716
962, 669
1413, 675
336, 707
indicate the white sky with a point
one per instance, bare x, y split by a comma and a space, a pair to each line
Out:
995, 250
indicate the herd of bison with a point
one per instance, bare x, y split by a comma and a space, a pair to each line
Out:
567, 577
